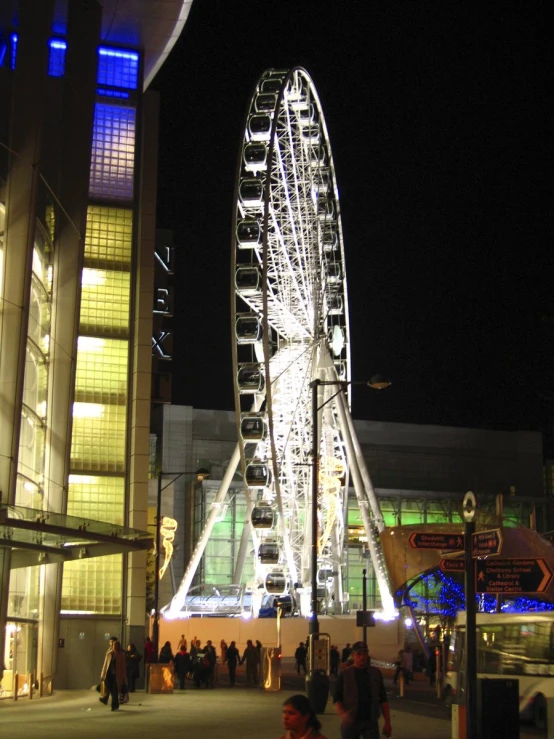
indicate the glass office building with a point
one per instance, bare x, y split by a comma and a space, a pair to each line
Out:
78, 133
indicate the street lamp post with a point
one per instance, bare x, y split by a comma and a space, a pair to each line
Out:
317, 683
200, 474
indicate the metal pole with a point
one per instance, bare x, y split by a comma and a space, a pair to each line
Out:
471, 645
156, 625
314, 624
364, 605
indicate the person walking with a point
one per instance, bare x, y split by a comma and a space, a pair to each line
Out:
334, 659
182, 643
360, 698
132, 664
149, 651
183, 665
224, 648
407, 664
252, 660
166, 654
113, 673
398, 665
299, 719
346, 652
300, 657
212, 659
232, 657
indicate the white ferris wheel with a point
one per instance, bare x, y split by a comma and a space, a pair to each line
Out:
290, 327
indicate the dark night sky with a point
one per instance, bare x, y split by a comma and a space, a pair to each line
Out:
439, 123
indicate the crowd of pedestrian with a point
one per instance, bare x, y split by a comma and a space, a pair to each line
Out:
202, 663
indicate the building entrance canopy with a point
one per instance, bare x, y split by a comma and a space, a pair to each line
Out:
38, 537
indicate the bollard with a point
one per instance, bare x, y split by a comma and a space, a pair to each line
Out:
401, 684
550, 718
438, 672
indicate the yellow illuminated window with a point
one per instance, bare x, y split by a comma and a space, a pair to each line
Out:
101, 370
109, 235
105, 301
97, 497
98, 442
93, 585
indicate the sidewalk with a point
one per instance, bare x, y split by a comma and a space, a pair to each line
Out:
222, 713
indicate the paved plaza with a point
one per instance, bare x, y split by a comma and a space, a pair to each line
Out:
219, 713
222, 713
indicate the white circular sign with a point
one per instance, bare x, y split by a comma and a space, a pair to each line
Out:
469, 505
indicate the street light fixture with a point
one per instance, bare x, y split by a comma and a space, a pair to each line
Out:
201, 474
317, 682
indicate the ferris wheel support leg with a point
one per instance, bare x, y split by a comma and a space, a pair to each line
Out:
247, 531
178, 600
368, 485
375, 550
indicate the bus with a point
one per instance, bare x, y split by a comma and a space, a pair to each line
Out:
518, 645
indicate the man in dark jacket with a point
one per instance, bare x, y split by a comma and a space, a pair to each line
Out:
251, 658
300, 657
183, 665
360, 698
232, 658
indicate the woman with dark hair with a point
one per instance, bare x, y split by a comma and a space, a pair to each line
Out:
133, 659
299, 720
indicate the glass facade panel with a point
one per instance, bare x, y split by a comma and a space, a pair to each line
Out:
99, 439
105, 301
112, 164
109, 236
30, 469
97, 497
56, 57
118, 67
101, 370
93, 585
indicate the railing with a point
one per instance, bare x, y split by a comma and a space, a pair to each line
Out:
23, 685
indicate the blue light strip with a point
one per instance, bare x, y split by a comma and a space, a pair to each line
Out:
112, 93
13, 55
56, 57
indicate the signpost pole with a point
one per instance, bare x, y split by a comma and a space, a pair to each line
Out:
471, 646
364, 601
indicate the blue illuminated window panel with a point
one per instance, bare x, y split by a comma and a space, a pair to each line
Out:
106, 92
13, 50
118, 68
56, 57
113, 152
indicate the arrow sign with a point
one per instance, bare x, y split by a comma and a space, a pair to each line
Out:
451, 542
512, 575
452, 565
486, 542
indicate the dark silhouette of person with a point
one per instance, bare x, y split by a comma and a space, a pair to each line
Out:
346, 652
300, 657
166, 654
183, 665
251, 657
133, 659
334, 659
232, 658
